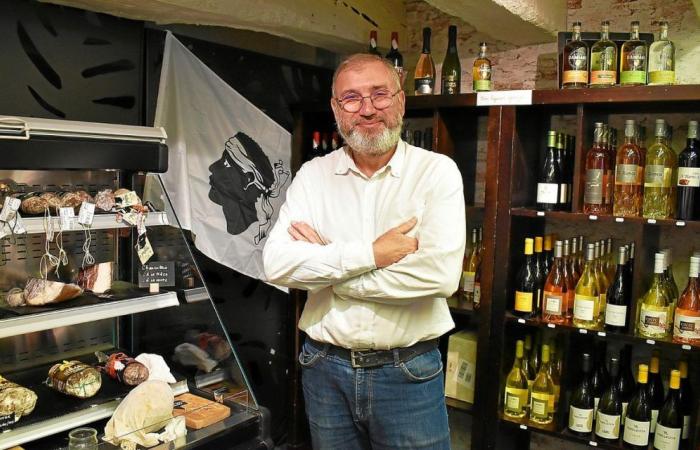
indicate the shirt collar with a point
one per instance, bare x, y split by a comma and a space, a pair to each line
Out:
395, 164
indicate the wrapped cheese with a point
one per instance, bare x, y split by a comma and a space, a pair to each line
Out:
15, 399
40, 292
75, 378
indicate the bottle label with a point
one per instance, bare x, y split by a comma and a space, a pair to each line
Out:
636, 433
607, 426
624, 412
468, 281
575, 76
547, 193
603, 77
516, 399
662, 77
654, 418
563, 195
689, 176
584, 307
653, 320
450, 85
482, 85
578, 60
540, 406
477, 293
424, 86
615, 315
633, 77
580, 420
667, 438
626, 174
523, 301
656, 175
596, 400
686, 325
553, 303
686, 427
593, 193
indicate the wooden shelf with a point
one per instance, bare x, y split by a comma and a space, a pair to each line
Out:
562, 434
581, 217
459, 404
439, 101
635, 94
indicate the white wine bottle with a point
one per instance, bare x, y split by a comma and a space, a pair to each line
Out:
655, 318
542, 395
516, 392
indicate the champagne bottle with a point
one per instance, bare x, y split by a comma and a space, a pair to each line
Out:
372, 50
654, 314
659, 174
669, 426
662, 58
549, 183
609, 414
556, 290
451, 68
686, 327
516, 392
395, 56
424, 74
618, 295
655, 390
587, 297
481, 71
687, 402
688, 185
542, 395
638, 418
526, 284
600, 378
581, 404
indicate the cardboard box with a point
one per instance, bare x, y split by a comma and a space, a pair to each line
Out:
461, 366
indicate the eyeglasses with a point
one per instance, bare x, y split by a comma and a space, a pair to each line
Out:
381, 99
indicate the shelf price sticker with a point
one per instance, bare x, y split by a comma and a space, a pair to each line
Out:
9, 209
540, 213
619, 219
686, 347
651, 342
521, 320
651, 221
161, 272
592, 217
602, 334
86, 214
680, 223
67, 216
523, 427
583, 331
498, 98
593, 443
551, 325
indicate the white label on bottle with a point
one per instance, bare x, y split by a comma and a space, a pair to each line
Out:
596, 400
686, 427
563, 193
615, 315
580, 420
652, 321
552, 303
636, 433
667, 438
607, 426
477, 293
626, 174
654, 175
654, 418
512, 401
424, 86
583, 307
689, 176
87, 212
624, 411
547, 193
539, 407
687, 327
468, 281
593, 193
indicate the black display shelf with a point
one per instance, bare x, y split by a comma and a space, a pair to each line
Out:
582, 217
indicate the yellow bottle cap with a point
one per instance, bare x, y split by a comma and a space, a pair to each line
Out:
538, 244
528, 246
675, 382
548, 242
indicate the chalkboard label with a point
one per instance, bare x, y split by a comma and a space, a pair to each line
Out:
161, 272
7, 420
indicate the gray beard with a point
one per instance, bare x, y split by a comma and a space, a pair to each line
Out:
373, 145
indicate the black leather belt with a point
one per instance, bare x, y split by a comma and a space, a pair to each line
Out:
374, 358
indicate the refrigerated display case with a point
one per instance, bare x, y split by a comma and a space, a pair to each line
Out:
119, 277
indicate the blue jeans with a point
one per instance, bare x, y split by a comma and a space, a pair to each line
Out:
391, 407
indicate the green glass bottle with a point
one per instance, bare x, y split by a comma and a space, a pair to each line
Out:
451, 68
659, 177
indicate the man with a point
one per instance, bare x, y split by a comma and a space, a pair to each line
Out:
375, 231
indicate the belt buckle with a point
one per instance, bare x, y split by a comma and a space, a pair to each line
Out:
356, 353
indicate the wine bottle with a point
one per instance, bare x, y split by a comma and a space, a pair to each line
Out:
580, 257
575, 61
516, 392
541, 274
628, 175
609, 414
469, 272
549, 182
669, 426
686, 328
610, 261
600, 379
617, 298
477, 287
662, 58
451, 68
573, 263
603, 283
526, 284
659, 174
534, 357
630, 265
561, 162
569, 168
633, 59
481, 70
654, 314
597, 168
424, 75
688, 203
555, 370
372, 49
687, 402
603, 59
638, 418
395, 57
530, 371
587, 296
542, 395
315, 145
570, 281
548, 253
581, 404
556, 290
655, 390
668, 277
625, 381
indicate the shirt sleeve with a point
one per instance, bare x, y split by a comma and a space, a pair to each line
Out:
302, 265
435, 268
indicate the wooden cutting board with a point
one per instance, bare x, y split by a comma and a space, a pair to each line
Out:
198, 411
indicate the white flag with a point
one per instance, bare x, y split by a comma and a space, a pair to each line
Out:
228, 161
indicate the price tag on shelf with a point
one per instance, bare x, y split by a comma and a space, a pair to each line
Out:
680, 223
67, 216
593, 443
592, 217
159, 272
521, 320
9, 209
86, 214
602, 334
651, 342
540, 213
523, 427
497, 98
686, 347
583, 331
652, 221
551, 325
619, 219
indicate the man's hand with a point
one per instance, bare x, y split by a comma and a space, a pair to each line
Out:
301, 231
394, 245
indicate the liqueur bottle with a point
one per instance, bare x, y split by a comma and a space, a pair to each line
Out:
686, 328
549, 182
542, 393
688, 185
662, 58
581, 403
556, 290
373, 43
597, 167
638, 417
659, 174
633, 59
628, 175
451, 68
575, 61
424, 74
654, 314
669, 426
481, 71
526, 284
609, 414
587, 296
618, 296
395, 56
603, 59
516, 392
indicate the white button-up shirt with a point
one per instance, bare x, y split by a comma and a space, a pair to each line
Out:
351, 303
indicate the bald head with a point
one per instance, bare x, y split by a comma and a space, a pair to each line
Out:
358, 60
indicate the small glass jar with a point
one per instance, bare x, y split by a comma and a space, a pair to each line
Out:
82, 439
